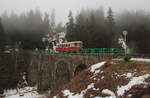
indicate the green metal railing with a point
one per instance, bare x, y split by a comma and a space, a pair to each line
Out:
100, 51
41, 50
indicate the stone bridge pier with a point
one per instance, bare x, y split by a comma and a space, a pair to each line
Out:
52, 71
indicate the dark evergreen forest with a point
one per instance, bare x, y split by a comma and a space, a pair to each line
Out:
99, 30
95, 27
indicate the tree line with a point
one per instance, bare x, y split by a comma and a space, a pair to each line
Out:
99, 30
26, 30
95, 27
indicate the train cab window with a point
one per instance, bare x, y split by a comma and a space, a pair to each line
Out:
76, 44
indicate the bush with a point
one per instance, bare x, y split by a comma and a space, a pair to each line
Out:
1, 91
127, 58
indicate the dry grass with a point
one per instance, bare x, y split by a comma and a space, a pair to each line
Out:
111, 80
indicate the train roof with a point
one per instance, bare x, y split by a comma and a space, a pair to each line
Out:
71, 42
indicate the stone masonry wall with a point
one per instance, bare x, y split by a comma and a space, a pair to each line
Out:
47, 71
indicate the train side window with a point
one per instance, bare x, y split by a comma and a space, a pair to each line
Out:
71, 44
80, 44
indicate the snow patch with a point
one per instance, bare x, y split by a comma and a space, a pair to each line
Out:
134, 81
129, 95
54, 97
69, 94
96, 66
27, 92
95, 79
97, 97
107, 91
135, 59
97, 71
140, 59
128, 75
102, 77
96, 89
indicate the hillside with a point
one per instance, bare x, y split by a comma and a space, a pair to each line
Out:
110, 79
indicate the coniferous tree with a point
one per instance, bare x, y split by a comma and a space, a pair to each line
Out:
2, 37
80, 32
111, 30
60, 28
70, 27
110, 17
52, 22
27, 28
46, 23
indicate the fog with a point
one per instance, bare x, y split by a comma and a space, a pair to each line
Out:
62, 7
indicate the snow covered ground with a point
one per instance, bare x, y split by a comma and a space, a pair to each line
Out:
140, 59
80, 95
135, 59
27, 92
134, 81
107, 91
96, 66
120, 90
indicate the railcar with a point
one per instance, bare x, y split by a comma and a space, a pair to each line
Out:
70, 46
78, 48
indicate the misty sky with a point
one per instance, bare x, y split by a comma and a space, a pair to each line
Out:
62, 7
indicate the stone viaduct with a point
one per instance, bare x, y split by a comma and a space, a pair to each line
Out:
48, 71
